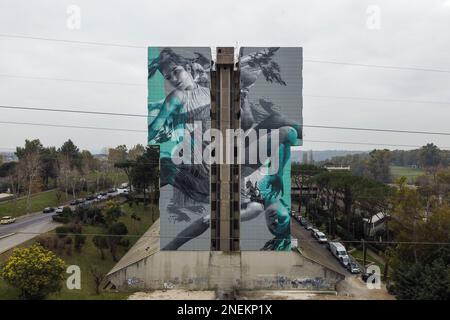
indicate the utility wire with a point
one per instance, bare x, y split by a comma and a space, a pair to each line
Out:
146, 116
440, 70
304, 95
232, 238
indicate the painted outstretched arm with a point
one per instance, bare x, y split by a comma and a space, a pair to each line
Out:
287, 136
171, 103
194, 230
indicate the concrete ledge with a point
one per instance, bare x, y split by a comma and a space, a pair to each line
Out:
211, 270
7, 235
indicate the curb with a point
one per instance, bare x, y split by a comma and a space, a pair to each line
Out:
7, 235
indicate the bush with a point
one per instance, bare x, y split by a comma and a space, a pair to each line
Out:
45, 241
74, 227
62, 231
60, 219
34, 271
80, 240
124, 243
67, 212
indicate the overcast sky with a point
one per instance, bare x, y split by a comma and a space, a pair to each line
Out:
410, 34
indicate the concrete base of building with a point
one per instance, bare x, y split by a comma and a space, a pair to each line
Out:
216, 270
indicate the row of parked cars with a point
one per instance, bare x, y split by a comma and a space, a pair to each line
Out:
111, 193
337, 249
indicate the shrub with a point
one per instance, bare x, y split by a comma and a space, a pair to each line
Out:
62, 231
80, 240
35, 271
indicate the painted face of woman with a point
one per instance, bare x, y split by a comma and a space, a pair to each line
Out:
178, 77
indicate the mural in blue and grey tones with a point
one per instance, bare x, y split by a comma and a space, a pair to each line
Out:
178, 96
271, 98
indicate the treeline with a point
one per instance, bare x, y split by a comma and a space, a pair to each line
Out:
376, 164
66, 168
415, 240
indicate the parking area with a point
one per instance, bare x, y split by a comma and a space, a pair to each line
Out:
312, 248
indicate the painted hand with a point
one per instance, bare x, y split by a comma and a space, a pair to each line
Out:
276, 186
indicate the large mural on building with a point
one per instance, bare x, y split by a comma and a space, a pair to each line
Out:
271, 98
179, 98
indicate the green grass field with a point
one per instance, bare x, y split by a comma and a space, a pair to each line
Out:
42, 200
90, 256
411, 174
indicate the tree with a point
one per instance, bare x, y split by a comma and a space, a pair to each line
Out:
98, 277
112, 211
101, 244
420, 271
71, 152
35, 271
79, 242
145, 173
135, 152
379, 165
30, 164
430, 156
117, 154
127, 167
115, 233
49, 158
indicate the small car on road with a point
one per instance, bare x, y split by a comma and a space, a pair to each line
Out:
48, 210
303, 221
59, 209
320, 236
7, 220
353, 267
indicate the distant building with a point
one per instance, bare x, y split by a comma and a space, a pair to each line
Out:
336, 168
375, 223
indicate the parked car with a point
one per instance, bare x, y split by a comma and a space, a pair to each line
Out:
48, 210
59, 210
314, 231
303, 221
112, 190
90, 198
73, 202
344, 260
320, 236
7, 220
353, 267
309, 226
338, 250
365, 275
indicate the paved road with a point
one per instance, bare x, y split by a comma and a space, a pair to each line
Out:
314, 250
28, 227
24, 229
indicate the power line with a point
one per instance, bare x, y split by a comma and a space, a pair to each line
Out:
365, 143
231, 238
378, 66
145, 131
378, 130
146, 116
70, 80
95, 43
377, 99
133, 84
74, 111
440, 70
70, 126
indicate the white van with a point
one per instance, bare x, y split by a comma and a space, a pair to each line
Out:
338, 250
